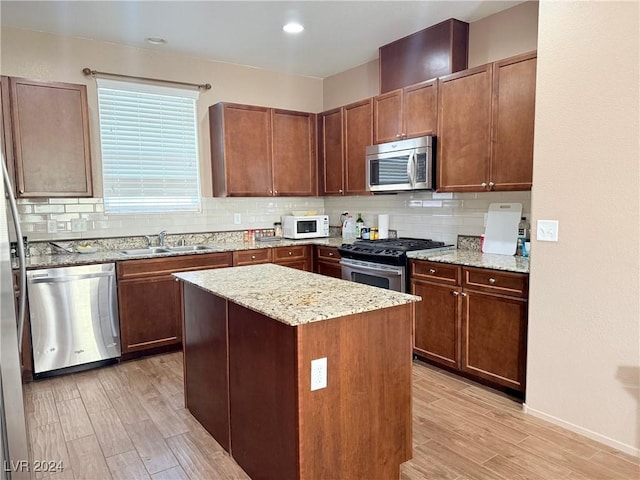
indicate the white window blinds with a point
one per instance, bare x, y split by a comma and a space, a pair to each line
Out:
149, 144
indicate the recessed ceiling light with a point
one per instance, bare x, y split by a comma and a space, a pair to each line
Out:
155, 40
293, 27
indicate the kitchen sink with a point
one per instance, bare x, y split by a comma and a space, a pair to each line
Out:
145, 251
190, 248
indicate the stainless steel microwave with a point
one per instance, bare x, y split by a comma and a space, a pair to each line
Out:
402, 165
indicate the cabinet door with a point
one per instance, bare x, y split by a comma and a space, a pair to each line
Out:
420, 109
332, 159
150, 313
464, 126
358, 134
241, 150
437, 323
387, 117
5, 128
514, 91
494, 336
294, 153
51, 138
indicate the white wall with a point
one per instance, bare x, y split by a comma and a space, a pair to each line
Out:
584, 337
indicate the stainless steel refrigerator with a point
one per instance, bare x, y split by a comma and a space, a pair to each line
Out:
13, 441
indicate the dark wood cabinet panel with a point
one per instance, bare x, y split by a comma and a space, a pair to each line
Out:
150, 313
420, 109
294, 257
438, 50
6, 135
206, 352
327, 261
497, 282
464, 128
433, 271
514, 91
251, 257
294, 153
494, 338
387, 117
331, 140
149, 299
240, 150
358, 124
50, 127
437, 323
406, 113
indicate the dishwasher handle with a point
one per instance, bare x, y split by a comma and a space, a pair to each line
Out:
45, 278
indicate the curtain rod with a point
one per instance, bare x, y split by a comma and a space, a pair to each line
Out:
94, 73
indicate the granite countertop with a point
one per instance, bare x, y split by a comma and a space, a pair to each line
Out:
471, 258
291, 296
68, 259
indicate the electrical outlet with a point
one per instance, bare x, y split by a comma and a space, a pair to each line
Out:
52, 226
432, 203
318, 373
547, 231
237, 219
78, 225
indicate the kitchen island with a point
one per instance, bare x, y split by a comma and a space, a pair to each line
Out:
250, 336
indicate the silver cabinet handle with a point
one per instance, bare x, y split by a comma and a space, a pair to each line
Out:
331, 254
399, 135
492, 281
275, 192
463, 294
491, 184
290, 253
253, 257
455, 293
483, 185
340, 191
432, 270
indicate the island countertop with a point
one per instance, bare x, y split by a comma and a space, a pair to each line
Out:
291, 296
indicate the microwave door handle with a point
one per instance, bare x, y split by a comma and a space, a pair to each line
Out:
411, 168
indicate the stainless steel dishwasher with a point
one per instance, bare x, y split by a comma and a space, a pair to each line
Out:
74, 318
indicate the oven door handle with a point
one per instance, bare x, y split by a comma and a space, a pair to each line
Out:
367, 268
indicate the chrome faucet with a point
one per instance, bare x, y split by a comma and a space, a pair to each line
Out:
161, 236
149, 240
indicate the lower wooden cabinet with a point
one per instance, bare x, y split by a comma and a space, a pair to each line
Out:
473, 320
298, 256
149, 299
327, 261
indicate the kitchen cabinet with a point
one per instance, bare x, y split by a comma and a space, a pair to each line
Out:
494, 326
344, 135
406, 113
5, 127
513, 97
472, 320
50, 150
464, 130
260, 151
149, 299
327, 261
298, 256
26, 358
437, 320
251, 257
485, 127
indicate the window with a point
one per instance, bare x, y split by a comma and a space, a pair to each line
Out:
149, 144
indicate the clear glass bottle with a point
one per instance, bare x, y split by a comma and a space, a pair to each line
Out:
277, 230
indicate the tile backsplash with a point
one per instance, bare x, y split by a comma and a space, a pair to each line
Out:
216, 215
436, 217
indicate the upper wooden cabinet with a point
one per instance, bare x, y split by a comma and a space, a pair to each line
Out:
260, 151
344, 135
47, 145
406, 113
485, 127
514, 96
464, 130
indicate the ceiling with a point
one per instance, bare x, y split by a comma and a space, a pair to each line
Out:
338, 35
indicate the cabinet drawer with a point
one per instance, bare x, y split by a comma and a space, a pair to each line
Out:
434, 271
505, 283
251, 257
327, 254
281, 254
167, 265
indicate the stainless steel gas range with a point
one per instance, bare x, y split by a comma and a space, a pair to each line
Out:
383, 263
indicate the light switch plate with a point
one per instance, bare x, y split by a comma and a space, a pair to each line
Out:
237, 219
547, 231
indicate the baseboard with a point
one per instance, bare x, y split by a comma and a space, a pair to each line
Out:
629, 449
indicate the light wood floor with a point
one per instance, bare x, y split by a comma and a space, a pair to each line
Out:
128, 422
